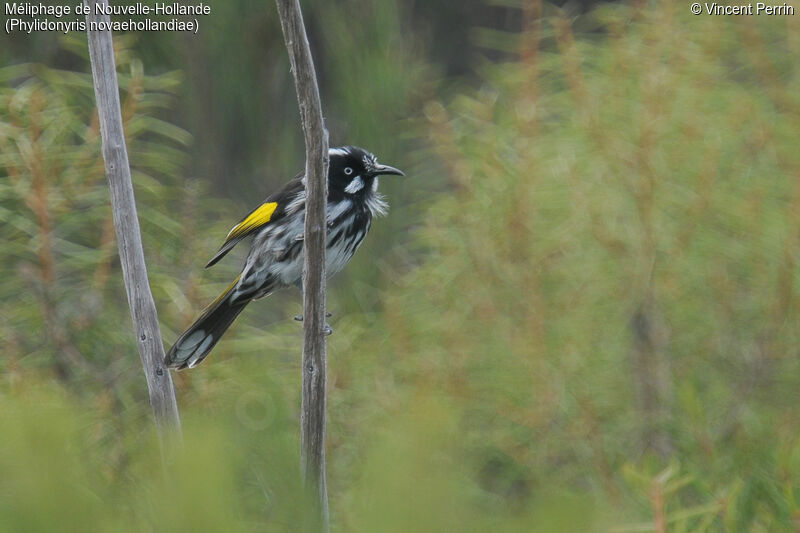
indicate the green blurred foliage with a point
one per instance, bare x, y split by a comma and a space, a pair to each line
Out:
580, 315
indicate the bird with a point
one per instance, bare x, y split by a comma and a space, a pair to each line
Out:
276, 255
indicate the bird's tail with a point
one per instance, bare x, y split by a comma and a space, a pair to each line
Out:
195, 343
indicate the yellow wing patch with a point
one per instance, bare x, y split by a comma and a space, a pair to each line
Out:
257, 218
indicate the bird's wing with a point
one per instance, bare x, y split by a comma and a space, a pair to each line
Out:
270, 211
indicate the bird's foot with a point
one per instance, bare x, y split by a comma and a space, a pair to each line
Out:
299, 318
327, 330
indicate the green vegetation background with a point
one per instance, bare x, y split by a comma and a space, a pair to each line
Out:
581, 313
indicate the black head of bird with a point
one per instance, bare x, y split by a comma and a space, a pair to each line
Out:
353, 170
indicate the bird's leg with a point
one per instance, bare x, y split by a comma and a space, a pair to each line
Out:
299, 285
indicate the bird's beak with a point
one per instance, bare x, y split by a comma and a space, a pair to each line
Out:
386, 169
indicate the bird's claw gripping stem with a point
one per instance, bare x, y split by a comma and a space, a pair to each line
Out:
299, 318
327, 330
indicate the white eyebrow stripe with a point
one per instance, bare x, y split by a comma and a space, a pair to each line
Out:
337, 151
370, 161
354, 186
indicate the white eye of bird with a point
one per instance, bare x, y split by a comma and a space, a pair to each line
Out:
348, 171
